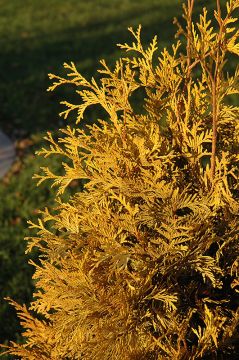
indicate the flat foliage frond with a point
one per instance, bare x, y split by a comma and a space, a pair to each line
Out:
143, 263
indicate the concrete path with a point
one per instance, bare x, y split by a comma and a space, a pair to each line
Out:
7, 154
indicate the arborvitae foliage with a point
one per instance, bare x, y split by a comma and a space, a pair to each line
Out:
143, 264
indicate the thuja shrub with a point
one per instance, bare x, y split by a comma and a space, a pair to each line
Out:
143, 263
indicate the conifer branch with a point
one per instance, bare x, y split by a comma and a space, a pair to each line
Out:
189, 36
215, 89
136, 264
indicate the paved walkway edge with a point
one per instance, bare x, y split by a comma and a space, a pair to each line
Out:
7, 154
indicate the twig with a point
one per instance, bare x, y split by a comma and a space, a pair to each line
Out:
189, 36
215, 105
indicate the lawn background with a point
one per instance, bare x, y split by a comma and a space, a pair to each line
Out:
36, 37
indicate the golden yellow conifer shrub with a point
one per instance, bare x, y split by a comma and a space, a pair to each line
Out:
143, 263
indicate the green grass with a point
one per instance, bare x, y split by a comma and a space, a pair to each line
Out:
36, 37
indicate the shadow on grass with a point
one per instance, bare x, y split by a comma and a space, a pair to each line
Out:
25, 63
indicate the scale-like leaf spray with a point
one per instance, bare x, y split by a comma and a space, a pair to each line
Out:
143, 263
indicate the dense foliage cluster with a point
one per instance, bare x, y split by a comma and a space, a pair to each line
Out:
37, 36
143, 263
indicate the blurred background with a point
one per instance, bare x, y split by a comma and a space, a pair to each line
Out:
36, 38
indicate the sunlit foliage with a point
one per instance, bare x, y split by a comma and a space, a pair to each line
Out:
143, 264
